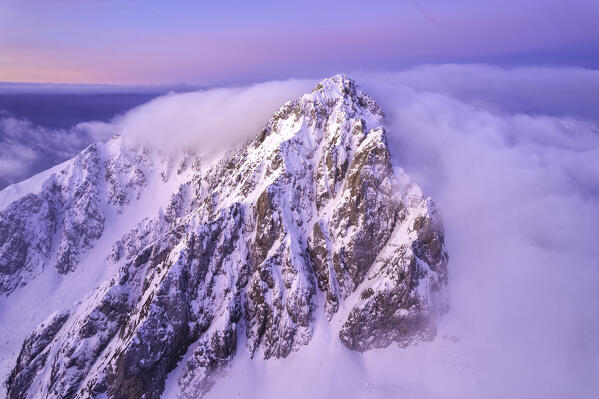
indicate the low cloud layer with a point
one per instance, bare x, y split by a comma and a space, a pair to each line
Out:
517, 180
512, 159
531, 90
26, 148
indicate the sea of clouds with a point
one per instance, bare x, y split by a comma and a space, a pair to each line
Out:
511, 157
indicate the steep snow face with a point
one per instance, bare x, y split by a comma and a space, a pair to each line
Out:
309, 216
66, 216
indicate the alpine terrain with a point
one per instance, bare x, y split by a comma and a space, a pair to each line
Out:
126, 263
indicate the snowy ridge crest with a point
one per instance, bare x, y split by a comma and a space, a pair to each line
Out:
309, 217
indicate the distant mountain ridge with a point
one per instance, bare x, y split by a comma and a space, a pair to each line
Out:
241, 251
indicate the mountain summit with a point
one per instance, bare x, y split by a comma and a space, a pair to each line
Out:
210, 256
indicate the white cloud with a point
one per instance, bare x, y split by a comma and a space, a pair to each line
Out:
519, 197
208, 120
533, 90
15, 159
26, 149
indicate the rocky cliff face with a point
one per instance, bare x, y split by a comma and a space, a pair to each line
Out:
308, 218
61, 222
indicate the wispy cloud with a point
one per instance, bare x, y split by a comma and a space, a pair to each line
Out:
26, 148
207, 120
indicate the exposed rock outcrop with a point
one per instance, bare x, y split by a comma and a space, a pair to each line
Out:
58, 225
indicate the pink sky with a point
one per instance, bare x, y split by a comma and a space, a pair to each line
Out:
153, 42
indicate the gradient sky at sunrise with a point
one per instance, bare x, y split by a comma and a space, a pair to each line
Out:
167, 42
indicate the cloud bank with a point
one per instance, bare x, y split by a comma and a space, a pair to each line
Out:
26, 148
512, 159
207, 120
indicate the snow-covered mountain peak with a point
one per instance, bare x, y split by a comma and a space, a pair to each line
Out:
337, 87
243, 251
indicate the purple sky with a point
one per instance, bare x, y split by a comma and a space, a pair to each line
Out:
165, 42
